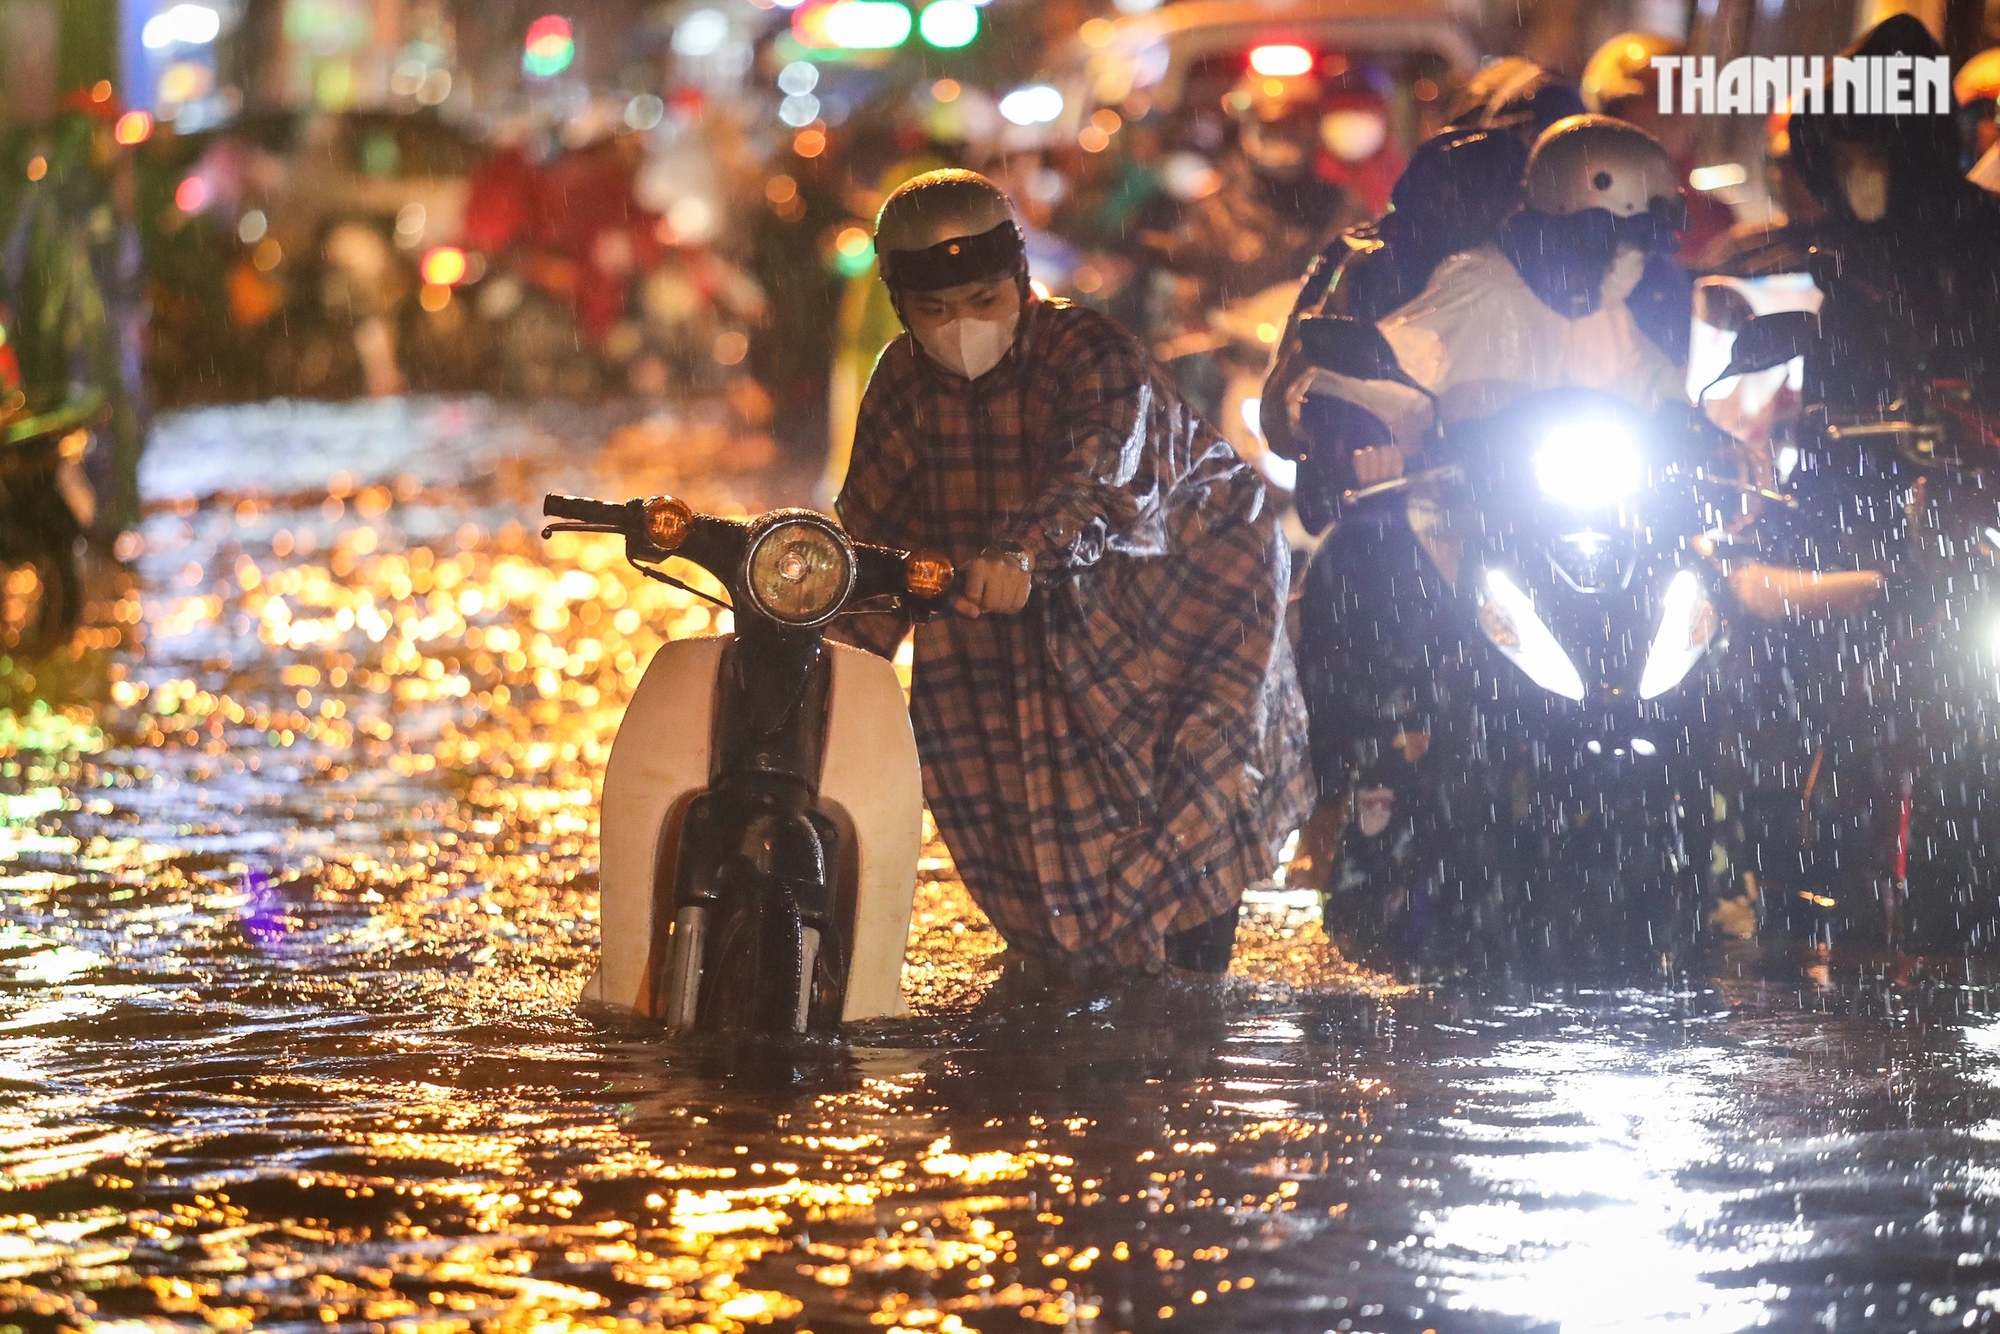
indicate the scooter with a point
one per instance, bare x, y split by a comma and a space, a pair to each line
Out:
1526, 647
763, 808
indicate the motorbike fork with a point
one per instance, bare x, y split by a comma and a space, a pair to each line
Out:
769, 737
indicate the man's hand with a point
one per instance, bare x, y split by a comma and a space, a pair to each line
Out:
1380, 463
993, 584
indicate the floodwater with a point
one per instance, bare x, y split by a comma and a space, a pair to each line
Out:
296, 862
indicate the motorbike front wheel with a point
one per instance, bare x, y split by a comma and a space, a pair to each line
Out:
757, 975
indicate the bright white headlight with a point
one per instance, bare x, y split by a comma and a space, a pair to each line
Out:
1508, 620
1589, 464
1687, 624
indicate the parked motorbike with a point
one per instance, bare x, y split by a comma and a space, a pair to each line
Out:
1529, 651
762, 809
46, 504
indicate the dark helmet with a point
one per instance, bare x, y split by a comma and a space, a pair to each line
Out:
1514, 94
948, 227
1918, 154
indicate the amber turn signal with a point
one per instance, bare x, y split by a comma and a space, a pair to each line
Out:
668, 522
927, 574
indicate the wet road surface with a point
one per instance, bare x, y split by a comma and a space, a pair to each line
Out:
296, 859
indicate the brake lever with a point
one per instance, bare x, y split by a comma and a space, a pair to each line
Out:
574, 526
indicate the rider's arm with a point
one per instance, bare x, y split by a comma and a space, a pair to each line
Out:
1108, 465
877, 503
1770, 592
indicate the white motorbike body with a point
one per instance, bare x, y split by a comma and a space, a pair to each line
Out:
870, 784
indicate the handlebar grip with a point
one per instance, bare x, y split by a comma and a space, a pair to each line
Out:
582, 509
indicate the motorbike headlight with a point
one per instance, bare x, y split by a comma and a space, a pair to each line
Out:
1508, 620
1589, 464
798, 571
1688, 623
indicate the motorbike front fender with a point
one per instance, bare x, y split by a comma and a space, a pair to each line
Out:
870, 787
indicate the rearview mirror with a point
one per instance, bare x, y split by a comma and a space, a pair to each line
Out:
1347, 346
1772, 340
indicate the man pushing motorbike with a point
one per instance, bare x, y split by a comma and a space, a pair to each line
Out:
1111, 731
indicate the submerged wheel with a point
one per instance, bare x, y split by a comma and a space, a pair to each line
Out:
756, 977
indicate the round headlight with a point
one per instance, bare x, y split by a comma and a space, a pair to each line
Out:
1591, 464
799, 571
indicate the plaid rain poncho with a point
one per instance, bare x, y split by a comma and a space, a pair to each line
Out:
1122, 758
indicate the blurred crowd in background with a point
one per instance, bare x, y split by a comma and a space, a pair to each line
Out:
676, 201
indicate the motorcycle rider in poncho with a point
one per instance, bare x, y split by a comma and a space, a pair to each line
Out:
1111, 732
1541, 306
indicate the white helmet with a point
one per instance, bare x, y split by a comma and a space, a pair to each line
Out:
1585, 162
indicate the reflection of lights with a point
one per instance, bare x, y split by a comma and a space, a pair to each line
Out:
443, 266
948, 24
1598, 1146
799, 110
1719, 177
1034, 104
692, 219
187, 25
250, 228
550, 47
1643, 748
853, 242
643, 112
1281, 61
134, 127
1788, 460
798, 78
191, 195
1251, 410
701, 33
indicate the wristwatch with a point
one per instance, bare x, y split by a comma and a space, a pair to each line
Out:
1012, 552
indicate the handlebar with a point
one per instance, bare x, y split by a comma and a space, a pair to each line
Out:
582, 509
662, 527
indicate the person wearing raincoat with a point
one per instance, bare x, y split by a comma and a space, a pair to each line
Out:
1883, 681
1110, 727
1460, 185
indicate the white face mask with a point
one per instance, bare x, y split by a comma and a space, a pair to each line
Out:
970, 347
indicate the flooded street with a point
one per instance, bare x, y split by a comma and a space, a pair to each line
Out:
297, 861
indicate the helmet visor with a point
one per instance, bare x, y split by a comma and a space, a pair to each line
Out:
956, 260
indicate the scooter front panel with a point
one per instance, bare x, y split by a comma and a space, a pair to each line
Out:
871, 773
661, 755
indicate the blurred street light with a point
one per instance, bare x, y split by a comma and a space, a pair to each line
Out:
550, 47
1032, 104
949, 24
